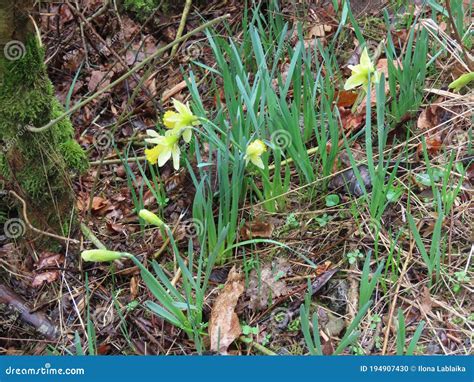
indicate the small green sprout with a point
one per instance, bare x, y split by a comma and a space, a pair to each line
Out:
354, 255
461, 278
323, 220
249, 333
332, 200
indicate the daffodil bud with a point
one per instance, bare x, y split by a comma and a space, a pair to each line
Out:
462, 81
151, 218
101, 255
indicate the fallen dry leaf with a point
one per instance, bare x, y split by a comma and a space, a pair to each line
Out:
45, 277
433, 145
99, 204
323, 268
47, 260
429, 118
345, 98
224, 326
349, 120
426, 303
267, 284
318, 30
97, 78
256, 229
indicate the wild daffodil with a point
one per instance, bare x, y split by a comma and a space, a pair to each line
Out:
166, 147
360, 73
254, 153
181, 120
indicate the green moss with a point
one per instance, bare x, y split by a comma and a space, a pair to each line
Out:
38, 163
4, 169
142, 8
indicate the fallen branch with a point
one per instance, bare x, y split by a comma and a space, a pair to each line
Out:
38, 320
90, 235
182, 24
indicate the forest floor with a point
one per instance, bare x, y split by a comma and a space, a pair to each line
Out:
368, 200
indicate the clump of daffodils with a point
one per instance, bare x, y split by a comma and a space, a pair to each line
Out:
361, 73
254, 153
179, 124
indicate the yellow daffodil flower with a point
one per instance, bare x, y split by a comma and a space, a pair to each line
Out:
166, 147
101, 255
181, 120
360, 73
254, 153
151, 218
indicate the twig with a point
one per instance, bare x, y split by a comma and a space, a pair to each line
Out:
262, 349
25, 218
89, 235
100, 11
182, 24
117, 161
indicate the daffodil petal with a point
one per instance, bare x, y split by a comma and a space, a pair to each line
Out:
155, 141
181, 107
176, 153
152, 133
164, 156
365, 59
354, 81
187, 135
257, 161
